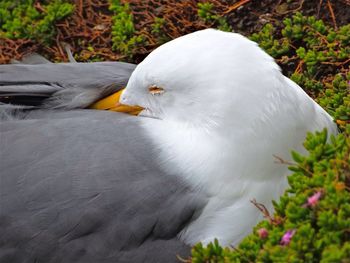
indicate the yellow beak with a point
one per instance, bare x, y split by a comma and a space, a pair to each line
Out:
112, 103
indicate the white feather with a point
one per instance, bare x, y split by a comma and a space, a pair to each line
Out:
226, 111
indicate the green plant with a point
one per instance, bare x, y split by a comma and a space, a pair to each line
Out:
268, 42
207, 14
124, 35
336, 98
23, 19
158, 30
312, 219
317, 52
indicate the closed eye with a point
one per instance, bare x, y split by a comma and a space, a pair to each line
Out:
155, 90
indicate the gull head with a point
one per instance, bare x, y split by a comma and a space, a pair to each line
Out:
197, 78
225, 86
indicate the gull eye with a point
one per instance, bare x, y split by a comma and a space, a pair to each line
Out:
155, 90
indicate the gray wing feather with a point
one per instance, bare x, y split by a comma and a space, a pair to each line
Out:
33, 59
65, 85
84, 186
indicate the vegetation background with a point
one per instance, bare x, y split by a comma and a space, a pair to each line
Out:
310, 40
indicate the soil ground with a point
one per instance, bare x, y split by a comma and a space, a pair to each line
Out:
88, 30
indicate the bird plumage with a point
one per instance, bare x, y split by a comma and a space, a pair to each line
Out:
74, 189
63, 85
94, 186
225, 113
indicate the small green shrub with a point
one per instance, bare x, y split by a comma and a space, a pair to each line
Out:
124, 36
21, 19
207, 14
317, 51
336, 98
158, 30
313, 216
267, 41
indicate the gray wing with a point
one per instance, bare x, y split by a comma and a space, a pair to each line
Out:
84, 186
61, 85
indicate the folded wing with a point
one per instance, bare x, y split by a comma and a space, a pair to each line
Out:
61, 85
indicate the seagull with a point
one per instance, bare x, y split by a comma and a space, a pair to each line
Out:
84, 181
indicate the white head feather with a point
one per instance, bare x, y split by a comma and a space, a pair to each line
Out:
226, 110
